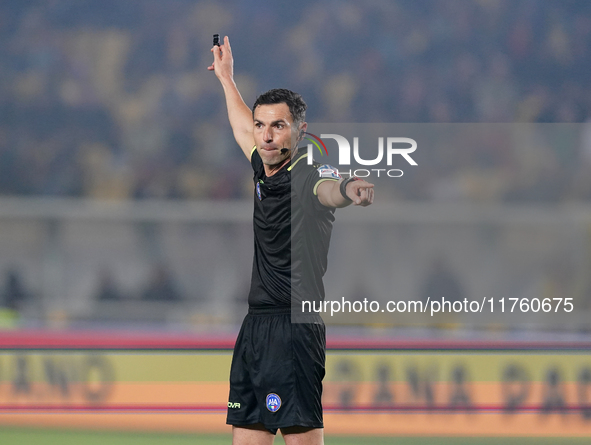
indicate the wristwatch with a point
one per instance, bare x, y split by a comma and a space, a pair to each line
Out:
343, 186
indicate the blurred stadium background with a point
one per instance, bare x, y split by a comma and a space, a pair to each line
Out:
125, 207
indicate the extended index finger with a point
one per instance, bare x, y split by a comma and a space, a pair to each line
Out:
363, 184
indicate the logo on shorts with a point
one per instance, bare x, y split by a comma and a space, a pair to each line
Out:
273, 402
259, 191
233, 405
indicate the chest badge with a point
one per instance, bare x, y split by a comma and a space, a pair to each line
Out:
258, 188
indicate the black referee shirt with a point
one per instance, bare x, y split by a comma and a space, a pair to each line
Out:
291, 233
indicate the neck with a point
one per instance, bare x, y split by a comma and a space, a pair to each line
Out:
270, 170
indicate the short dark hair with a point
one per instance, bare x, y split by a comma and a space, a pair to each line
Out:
295, 102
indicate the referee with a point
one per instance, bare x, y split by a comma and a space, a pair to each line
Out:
278, 366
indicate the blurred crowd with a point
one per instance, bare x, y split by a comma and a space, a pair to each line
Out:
111, 99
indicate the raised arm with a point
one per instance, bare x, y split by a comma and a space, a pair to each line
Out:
239, 114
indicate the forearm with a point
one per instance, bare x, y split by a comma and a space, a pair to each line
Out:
337, 198
239, 114
355, 190
330, 195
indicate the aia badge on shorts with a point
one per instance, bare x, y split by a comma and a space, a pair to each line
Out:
273, 402
259, 190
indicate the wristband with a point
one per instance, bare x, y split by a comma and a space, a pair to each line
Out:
343, 186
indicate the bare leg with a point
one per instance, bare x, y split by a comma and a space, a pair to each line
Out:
298, 435
255, 434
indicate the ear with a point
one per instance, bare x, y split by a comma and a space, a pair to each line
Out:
303, 127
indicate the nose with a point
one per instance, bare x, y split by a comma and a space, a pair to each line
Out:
268, 134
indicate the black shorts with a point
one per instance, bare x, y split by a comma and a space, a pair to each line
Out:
277, 371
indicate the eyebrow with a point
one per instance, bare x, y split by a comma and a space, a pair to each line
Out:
278, 121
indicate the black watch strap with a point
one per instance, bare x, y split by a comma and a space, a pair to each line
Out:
343, 186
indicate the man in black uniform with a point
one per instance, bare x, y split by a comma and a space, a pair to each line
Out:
278, 365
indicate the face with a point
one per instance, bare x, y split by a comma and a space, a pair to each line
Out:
274, 129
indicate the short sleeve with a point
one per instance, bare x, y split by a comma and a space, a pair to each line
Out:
255, 160
306, 181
